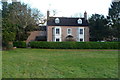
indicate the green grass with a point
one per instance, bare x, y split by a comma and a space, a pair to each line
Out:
0, 65
54, 63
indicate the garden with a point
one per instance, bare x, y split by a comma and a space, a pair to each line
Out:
60, 63
58, 59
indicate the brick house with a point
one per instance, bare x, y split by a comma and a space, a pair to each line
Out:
66, 29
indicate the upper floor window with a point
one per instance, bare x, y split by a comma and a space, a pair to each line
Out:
69, 31
81, 31
79, 21
57, 31
57, 20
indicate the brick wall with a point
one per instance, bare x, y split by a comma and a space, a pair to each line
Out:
34, 34
87, 35
64, 32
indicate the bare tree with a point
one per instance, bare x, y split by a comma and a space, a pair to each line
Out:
25, 18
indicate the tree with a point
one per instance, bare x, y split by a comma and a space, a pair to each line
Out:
114, 18
98, 27
24, 17
8, 32
17, 20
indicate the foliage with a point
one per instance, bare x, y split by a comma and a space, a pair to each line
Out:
114, 19
7, 46
54, 63
17, 20
21, 17
8, 29
8, 36
19, 44
74, 45
25, 18
98, 27
7, 39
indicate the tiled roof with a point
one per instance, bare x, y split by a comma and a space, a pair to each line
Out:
66, 21
40, 28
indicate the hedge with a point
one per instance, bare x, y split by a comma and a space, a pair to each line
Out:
20, 44
74, 45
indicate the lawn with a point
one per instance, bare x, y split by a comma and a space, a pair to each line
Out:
0, 64
56, 63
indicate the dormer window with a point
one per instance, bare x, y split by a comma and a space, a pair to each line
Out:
79, 21
57, 20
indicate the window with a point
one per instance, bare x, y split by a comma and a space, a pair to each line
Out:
57, 31
57, 40
69, 31
57, 20
81, 31
79, 21
81, 39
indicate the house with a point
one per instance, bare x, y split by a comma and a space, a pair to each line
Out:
60, 29
67, 29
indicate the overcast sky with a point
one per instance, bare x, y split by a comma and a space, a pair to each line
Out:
69, 8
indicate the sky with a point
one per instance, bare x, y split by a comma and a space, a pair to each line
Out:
68, 8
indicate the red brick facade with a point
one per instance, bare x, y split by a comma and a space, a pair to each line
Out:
34, 34
64, 32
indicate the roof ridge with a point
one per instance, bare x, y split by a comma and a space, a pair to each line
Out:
66, 17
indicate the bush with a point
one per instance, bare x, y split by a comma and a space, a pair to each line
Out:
74, 45
7, 45
7, 40
20, 44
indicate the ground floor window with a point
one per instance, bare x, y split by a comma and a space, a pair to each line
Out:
57, 39
81, 39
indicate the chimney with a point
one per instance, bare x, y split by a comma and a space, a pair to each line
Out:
48, 14
85, 15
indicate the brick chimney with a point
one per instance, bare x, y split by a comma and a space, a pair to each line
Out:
85, 15
48, 14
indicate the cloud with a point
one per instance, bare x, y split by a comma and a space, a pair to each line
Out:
71, 7
116, 1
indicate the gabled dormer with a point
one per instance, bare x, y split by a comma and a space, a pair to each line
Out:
79, 21
57, 20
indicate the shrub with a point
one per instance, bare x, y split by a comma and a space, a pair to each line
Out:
7, 40
7, 45
74, 45
19, 44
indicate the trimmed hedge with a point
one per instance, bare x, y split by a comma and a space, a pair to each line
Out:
74, 45
20, 44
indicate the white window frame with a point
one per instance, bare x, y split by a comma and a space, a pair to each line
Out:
79, 21
80, 31
56, 40
57, 33
68, 31
81, 36
82, 39
55, 36
57, 20
59, 30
